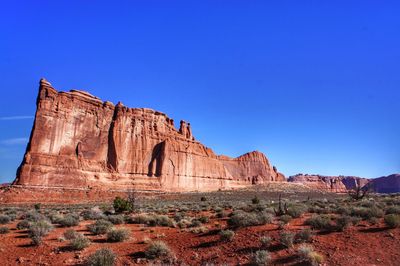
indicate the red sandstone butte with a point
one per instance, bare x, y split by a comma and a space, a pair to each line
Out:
337, 184
79, 141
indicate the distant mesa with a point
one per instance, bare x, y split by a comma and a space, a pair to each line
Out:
79, 141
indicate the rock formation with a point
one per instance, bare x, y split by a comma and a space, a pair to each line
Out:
338, 184
80, 141
386, 184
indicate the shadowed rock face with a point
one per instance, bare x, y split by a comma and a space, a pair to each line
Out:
339, 184
386, 184
80, 141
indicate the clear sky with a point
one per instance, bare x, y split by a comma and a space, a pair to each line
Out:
315, 85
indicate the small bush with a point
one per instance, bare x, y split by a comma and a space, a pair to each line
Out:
319, 222
38, 230
122, 205
260, 258
203, 199
152, 220
92, 215
296, 211
342, 223
204, 219
265, 241
71, 234
393, 210
79, 243
287, 239
4, 219
4, 230
304, 235
116, 219
158, 250
243, 219
100, 227
227, 235
308, 254
392, 220
69, 221
24, 224
102, 257
37, 206
285, 219
118, 235
255, 200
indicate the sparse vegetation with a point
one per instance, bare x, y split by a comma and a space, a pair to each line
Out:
118, 235
122, 205
227, 235
80, 242
287, 239
243, 219
100, 227
260, 258
4, 230
102, 257
158, 250
392, 220
37, 230
307, 253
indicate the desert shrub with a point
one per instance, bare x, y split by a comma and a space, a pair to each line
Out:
221, 214
367, 213
79, 243
100, 227
296, 211
55, 218
37, 206
304, 235
116, 219
308, 254
265, 241
203, 199
4, 219
392, 220
92, 215
243, 219
199, 230
69, 220
343, 210
226, 235
260, 258
71, 234
118, 235
285, 219
255, 200
24, 224
122, 205
320, 222
152, 220
37, 230
342, 223
287, 238
195, 223
4, 230
158, 250
102, 257
393, 210
204, 219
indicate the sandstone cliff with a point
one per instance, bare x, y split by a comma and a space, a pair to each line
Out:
338, 184
80, 141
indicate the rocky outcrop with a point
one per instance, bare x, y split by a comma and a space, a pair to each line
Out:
386, 184
338, 184
80, 141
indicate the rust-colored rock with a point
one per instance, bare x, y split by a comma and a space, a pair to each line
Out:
80, 141
337, 184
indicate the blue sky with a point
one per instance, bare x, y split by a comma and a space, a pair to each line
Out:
315, 85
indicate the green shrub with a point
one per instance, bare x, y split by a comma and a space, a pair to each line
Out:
122, 205
285, 219
38, 230
24, 224
203, 199
79, 243
319, 222
204, 219
116, 219
37, 206
243, 219
342, 223
265, 241
92, 215
392, 220
308, 254
393, 210
118, 235
4, 219
158, 250
304, 235
296, 211
260, 258
102, 257
69, 221
255, 200
71, 234
227, 235
100, 227
287, 239
4, 230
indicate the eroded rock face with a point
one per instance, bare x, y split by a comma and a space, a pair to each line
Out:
80, 141
338, 184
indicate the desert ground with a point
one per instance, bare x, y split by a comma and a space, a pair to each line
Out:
248, 227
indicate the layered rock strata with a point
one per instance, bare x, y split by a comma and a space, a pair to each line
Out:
80, 141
